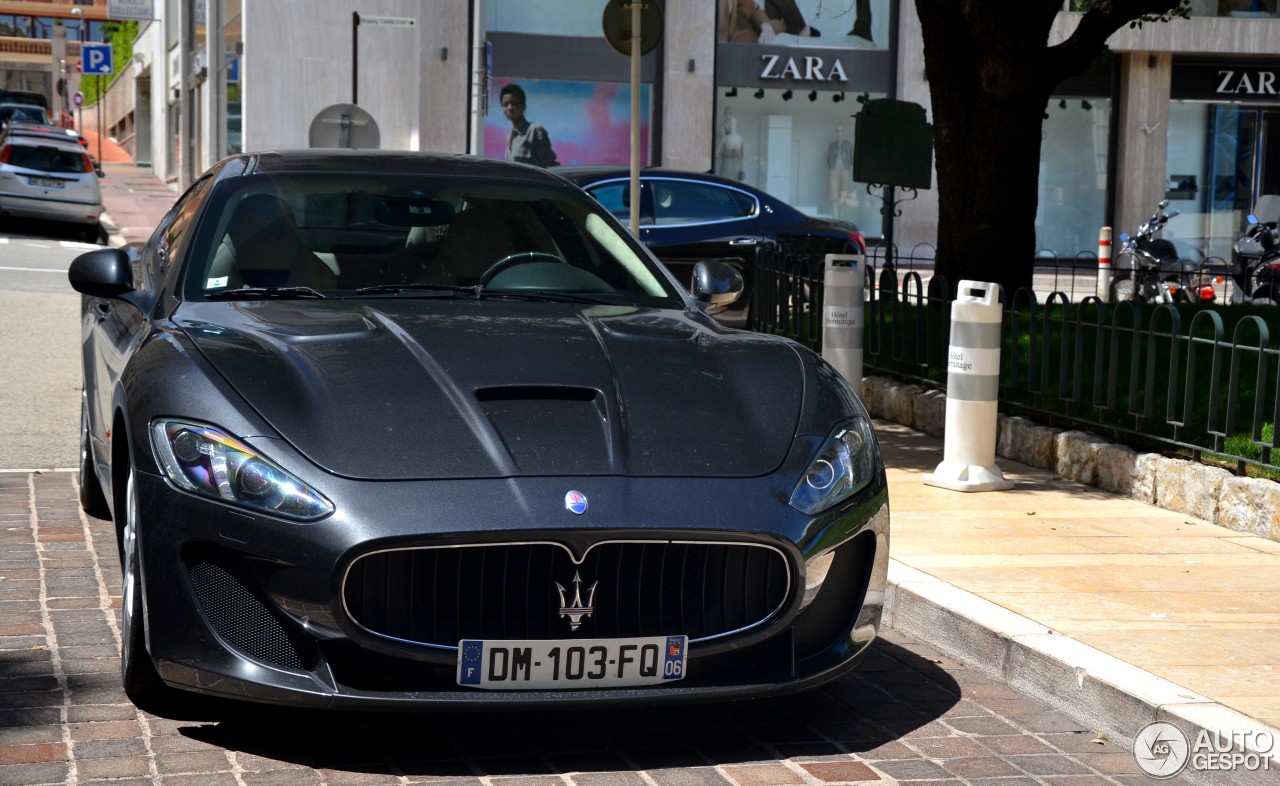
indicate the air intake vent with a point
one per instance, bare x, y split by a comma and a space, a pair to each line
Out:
240, 617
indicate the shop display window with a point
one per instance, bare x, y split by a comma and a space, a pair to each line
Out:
797, 146
1073, 176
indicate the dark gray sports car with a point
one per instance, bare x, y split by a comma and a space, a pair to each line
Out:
394, 430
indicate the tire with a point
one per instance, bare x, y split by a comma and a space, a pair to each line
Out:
1123, 289
91, 233
92, 500
142, 683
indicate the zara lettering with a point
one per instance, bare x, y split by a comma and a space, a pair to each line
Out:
814, 69
1255, 83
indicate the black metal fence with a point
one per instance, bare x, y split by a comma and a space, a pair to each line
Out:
1197, 378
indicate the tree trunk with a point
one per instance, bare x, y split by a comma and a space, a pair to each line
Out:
991, 72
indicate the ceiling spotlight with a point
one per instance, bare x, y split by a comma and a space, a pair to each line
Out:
838, 97
1062, 104
862, 99
733, 93
787, 95
760, 93
1085, 105
813, 95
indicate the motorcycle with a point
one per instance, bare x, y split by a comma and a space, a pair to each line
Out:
1156, 274
1256, 263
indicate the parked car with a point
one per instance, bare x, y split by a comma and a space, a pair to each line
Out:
22, 113
386, 429
45, 131
688, 216
49, 176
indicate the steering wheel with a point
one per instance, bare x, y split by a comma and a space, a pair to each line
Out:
518, 258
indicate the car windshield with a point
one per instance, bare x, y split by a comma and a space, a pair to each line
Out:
416, 236
47, 159
22, 113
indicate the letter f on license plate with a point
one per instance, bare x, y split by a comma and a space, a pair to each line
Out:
561, 664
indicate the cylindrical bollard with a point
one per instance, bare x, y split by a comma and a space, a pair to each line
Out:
973, 375
1104, 264
842, 317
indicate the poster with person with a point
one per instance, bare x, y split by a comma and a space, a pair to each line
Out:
562, 123
850, 24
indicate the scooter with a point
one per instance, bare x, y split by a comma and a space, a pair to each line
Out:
1256, 263
1156, 274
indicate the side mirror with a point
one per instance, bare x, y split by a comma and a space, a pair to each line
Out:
105, 272
716, 283
1124, 237
1163, 204
1251, 218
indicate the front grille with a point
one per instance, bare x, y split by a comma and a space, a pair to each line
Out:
438, 596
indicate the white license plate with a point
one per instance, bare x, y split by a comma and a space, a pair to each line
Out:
47, 182
569, 664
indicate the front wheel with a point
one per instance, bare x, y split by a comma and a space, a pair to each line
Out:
142, 683
1123, 288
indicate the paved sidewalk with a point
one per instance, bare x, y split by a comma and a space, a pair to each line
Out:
133, 197
1116, 611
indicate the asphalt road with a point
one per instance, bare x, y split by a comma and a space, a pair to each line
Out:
39, 353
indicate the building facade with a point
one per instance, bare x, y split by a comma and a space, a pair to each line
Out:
763, 91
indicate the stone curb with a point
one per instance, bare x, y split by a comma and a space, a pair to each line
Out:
1250, 505
1094, 688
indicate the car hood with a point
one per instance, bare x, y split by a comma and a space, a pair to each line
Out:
425, 388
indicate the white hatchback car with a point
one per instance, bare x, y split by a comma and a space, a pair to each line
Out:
49, 176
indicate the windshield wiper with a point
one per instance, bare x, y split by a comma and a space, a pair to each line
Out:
393, 288
543, 295
266, 293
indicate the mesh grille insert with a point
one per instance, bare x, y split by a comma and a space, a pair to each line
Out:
240, 617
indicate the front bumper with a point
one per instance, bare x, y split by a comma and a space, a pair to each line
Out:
251, 607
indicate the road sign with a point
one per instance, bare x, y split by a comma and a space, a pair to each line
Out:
78, 98
388, 21
617, 25
96, 59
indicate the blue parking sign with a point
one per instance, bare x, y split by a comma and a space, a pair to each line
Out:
96, 59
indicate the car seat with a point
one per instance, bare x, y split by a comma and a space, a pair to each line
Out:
269, 250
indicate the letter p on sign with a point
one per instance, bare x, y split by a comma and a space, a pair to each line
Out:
97, 59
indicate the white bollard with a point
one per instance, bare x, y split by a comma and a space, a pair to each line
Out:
842, 315
1104, 264
973, 375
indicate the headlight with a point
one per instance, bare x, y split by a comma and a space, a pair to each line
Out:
203, 460
842, 467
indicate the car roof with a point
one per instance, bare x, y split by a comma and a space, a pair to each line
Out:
39, 133
340, 160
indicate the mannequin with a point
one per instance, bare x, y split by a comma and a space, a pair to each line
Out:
732, 151
840, 171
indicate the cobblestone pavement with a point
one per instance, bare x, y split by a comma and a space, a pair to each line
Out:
907, 715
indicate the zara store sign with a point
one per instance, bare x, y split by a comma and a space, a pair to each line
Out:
809, 68
1247, 81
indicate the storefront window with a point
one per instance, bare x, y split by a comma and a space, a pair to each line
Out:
1217, 169
797, 146
580, 18
1073, 176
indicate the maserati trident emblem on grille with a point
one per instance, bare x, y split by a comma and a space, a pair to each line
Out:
576, 611
575, 502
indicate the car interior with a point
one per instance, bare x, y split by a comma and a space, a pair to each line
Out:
331, 237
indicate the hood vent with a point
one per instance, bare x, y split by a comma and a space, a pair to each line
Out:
551, 430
